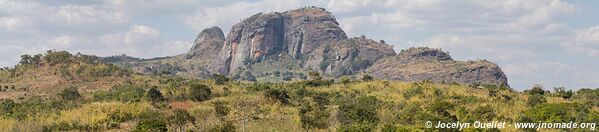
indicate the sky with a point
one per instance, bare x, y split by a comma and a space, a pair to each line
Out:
549, 42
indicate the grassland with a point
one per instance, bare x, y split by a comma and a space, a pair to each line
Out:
114, 99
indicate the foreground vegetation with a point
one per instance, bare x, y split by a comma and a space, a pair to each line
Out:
171, 103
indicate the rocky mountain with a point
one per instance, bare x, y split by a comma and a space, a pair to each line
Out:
283, 46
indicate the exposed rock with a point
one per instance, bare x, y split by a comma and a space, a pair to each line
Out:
416, 64
347, 57
209, 40
286, 46
295, 32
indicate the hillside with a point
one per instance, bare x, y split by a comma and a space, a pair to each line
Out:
129, 101
283, 71
285, 46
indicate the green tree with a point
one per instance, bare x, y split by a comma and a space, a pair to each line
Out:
154, 95
536, 99
200, 92
360, 111
180, 118
25, 59
313, 115
278, 95
537, 89
70, 94
6, 106
367, 78
220, 79
345, 80
221, 108
151, 125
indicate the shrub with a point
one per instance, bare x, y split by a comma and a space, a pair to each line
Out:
345, 80
277, 73
317, 83
389, 128
70, 94
225, 127
535, 99
367, 78
154, 95
151, 125
278, 95
199, 92
483, 113
561, 92
415, 90
124, 93
537, 89
287, 78
6, 106
220, 79
441, 108
356, 127
313, 115
363, 110
180, 118
221, 108
55, 57
562, 112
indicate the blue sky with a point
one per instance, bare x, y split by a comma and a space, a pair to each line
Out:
549, 42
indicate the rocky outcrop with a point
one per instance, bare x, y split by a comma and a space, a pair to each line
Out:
295, 33
283, 46
208, 41
416, 64
347, 57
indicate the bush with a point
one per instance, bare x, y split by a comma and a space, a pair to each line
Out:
180, 118
55, 57
356, 127
225, 127
535, 99
70, 94
220, 79
151, 125
483, 113
221, 108
199, 92
537, 89
154, 95
278, 95
313, 115
317, 83
363, 110
124, 93
367, 78
562, 112
6, 106
415, 90
345, 80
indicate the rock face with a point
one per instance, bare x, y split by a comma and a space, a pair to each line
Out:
416, 64
286, 46
347, 57
295, 33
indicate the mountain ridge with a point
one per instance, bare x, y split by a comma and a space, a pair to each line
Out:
299, 41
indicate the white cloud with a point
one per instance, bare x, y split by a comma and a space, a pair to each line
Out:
586, 42
226, 15
87, 15
12, 23
62, 41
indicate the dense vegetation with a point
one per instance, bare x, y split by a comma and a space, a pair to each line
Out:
161, 103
